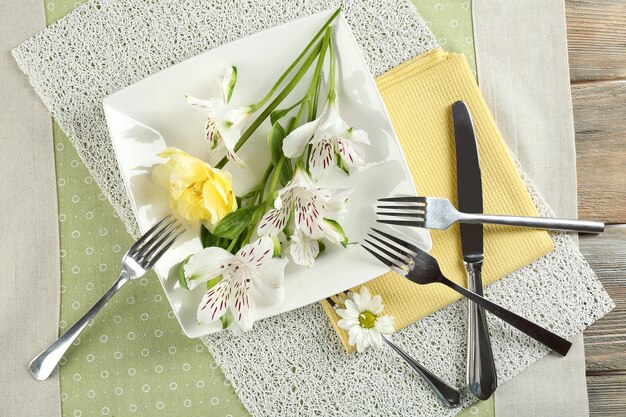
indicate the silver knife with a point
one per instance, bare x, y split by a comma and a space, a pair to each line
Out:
481, 371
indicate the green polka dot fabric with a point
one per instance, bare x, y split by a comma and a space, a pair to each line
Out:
133, 359
451, 23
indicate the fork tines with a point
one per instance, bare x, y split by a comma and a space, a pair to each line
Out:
390, 250
408, 211
156, 241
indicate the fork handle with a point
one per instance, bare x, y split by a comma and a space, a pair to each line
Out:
42, 366
482, 379
544, 336
447, 394
582, 226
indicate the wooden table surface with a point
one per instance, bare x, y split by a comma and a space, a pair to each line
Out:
596, 31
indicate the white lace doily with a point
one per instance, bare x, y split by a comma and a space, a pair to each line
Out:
293, 364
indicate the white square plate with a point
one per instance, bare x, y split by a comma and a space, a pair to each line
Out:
152, 114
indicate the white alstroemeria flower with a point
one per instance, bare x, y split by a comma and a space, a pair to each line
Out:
334, 142
314, 210
361, 318
253, 265
224, 121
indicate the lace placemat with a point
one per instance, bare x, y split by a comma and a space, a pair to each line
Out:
293, 364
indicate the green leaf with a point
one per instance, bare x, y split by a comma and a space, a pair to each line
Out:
322, 247
222, 242
231, 85
213, 282
207, 238
342, 164
278, 114
227, 319
275, 142
286, 172
182, 280
231, 226
336, 227
277, 247
290, 227
248, 195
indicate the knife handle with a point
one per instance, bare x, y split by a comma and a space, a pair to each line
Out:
582, 226
482, 379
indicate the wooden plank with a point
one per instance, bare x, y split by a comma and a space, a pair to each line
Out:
599, 122
596, 32
605, 341
606, 395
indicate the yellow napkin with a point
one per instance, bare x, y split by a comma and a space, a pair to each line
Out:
418, 95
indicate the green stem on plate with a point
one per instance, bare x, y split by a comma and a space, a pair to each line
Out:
315, 82
263, 182
275, 177
264, 100
274, 104
232, 245
331, 92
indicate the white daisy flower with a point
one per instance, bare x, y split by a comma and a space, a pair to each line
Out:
334, 142
361, 318
314, 211
253, 265
224, 121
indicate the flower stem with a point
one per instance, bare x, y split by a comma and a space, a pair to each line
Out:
331, 91
272, 106
315, 82
264, 100
232, 245
263, 181
275, 177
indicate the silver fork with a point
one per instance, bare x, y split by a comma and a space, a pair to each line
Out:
140, 258
421, 268
447, 394
440, 214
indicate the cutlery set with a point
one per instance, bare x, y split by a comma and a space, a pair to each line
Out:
421, 268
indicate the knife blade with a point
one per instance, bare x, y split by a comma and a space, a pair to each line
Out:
481, 371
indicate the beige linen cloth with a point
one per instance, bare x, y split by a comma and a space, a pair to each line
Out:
529, 97
29, 234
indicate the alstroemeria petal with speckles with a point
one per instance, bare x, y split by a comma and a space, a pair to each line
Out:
322, 158
351, 152
269, 280
239, 298
257, 253
303, 249
206, 265
273, 221
214, 303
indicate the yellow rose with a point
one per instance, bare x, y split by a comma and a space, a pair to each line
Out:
196, 191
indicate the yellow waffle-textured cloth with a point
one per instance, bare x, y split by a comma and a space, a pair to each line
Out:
418, 95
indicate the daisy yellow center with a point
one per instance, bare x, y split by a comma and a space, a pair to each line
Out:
367, 319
